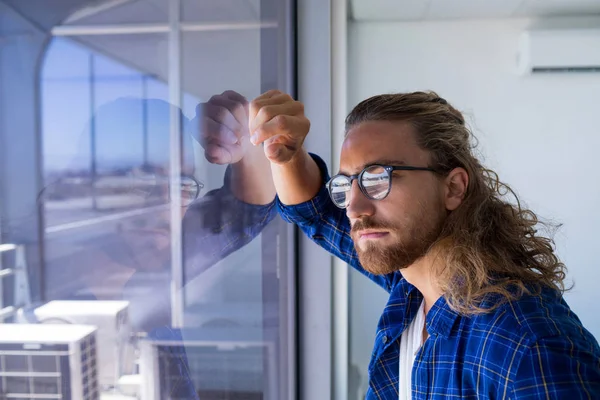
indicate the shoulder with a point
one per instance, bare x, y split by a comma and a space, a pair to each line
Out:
530, 321
533, 315
509, 341
542, 315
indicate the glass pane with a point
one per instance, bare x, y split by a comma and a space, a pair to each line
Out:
223, 11
151, 271
118, 12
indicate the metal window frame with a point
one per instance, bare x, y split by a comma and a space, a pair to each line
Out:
323, 279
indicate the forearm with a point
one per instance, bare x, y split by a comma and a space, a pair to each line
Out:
218, 225
298, 180
251, 178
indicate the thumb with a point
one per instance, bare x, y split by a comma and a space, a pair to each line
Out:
217, 154
278, 152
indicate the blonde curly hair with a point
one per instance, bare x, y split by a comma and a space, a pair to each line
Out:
490, 246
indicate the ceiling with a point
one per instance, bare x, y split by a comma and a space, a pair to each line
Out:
420, 10
210, 61
47, 14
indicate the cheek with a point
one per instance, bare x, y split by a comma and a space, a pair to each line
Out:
410, 207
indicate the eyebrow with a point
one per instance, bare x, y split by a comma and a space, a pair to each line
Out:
383, 161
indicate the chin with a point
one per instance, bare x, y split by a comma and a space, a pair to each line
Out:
383, 260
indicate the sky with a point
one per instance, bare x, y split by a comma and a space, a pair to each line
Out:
118, 110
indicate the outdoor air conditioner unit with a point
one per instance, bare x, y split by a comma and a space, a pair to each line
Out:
559, 50
48, 362
211, 363
115, 349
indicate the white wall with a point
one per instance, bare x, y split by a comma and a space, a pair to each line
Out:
540, 133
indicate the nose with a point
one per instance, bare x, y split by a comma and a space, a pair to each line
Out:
359, 205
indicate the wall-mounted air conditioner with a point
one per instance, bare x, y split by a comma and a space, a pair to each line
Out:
116, 352
48, 362
559, 50
208, 363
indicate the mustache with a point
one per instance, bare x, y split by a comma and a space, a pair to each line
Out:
369, 223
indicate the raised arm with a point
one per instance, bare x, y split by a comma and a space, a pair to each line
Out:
221, 127
278, 122
227, 218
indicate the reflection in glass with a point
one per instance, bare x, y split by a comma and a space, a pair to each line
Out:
98, 221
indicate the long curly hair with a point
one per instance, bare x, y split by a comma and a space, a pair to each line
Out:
490, 247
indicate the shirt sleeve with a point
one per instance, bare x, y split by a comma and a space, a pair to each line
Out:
219, 224
328, 226
558, 368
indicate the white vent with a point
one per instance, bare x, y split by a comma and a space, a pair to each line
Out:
48, 362
116, 354
560, 50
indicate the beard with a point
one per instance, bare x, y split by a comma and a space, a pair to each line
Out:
412, 242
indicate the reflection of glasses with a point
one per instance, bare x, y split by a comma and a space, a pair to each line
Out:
374, 181
150, 185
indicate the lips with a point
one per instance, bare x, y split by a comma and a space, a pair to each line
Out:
372, 234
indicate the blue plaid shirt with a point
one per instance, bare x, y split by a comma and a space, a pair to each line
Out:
214, 226
533, 348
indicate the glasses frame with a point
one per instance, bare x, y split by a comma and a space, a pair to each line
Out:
197, 184
389, 169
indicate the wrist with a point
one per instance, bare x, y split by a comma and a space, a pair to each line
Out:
250, 178
253, 160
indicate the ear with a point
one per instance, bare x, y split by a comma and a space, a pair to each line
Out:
455, 188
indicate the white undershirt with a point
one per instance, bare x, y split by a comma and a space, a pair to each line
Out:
410, 343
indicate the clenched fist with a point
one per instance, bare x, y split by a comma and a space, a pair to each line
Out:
223, 125
278, 121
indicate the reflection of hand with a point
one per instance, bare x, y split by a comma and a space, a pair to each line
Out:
278, 121
224, 133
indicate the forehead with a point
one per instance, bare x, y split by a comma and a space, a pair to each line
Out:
372, 141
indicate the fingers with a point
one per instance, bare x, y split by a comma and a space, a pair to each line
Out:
268, 94
223, 115
216, 132
235, 103
235, 96
216, 154
287, 129
279, 153
269, 98
278, 121
269, 111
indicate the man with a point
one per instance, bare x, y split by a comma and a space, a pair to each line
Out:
475, 307
215, 224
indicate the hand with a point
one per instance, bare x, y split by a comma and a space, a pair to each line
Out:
223, 126
278, 121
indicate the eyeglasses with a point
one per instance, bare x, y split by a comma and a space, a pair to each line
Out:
375, 181
153, 186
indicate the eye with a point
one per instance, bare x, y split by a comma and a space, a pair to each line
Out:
395, 175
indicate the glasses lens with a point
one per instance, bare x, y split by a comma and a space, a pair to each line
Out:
376, 182
189, 190
339, 190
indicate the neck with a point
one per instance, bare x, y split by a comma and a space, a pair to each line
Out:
420, 275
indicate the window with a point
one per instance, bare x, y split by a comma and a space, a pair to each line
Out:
111, 215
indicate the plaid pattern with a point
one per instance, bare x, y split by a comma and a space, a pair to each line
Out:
214, 226
217, 225
533, 348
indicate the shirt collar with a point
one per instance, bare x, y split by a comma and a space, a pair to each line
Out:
439, 320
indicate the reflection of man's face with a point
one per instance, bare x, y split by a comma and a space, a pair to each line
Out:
148, 234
